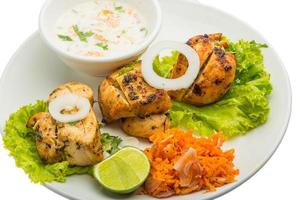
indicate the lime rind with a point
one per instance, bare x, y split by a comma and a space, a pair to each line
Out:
124, 171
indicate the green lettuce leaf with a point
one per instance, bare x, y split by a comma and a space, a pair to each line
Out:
127, 68
234, 115
163, 66
20, 142
244, 107
250, 61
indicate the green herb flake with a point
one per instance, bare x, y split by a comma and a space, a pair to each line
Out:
73, 123
65, 38
103, 46
127, 68
110, 144
82, 35
144, 30
119, 8
88, 34
101, 125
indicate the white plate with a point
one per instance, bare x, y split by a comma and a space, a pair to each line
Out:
34, 71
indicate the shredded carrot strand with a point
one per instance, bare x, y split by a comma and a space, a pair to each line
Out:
217, 165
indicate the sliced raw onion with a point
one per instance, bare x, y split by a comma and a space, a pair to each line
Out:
165, 194
152, 184
181, 82
189, 155
188, 168
69, 101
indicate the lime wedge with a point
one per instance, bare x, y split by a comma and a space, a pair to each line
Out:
124, 171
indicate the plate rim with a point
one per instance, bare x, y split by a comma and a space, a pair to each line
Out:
205, 6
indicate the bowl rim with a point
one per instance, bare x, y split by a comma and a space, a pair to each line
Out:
133, 52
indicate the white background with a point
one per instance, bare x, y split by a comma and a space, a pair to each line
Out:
278, 21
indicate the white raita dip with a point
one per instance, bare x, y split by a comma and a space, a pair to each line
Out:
100, 28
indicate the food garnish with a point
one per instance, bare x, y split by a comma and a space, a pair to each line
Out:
163, 65
127, 68
103, 46
182, 163
82, 35
124, 171
65, 38
119, 8
69, 108
181, 82
145, 30
110, 144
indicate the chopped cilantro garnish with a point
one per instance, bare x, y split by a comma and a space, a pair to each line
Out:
101, 125
103, 46
119, 9
82, 35
110, 144
65, 38
88, 34
73, 123
144, 30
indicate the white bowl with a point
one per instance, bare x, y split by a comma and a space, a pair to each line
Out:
53, 9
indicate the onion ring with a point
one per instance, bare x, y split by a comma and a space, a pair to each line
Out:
156, 81
68, 102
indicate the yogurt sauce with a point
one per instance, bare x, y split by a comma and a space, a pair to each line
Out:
100, 28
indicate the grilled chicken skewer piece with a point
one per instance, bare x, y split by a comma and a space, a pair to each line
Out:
145, 127
78, 142
217, 71
123, 95
47, 143
126, 96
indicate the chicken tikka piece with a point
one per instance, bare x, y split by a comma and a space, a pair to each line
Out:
144, 127
123, 95
78, 142
217, 71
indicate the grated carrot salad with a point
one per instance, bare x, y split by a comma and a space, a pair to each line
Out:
182, 163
